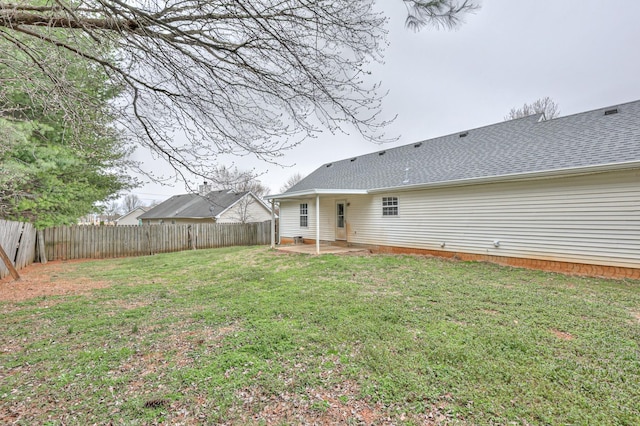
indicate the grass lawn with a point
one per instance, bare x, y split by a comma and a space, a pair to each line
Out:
251, 336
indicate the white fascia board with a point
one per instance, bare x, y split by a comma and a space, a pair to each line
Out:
311, 192
574, 171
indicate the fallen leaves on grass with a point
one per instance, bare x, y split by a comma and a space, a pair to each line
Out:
157, 403
338, 405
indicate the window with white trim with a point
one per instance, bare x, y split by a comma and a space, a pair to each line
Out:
389, 206
304, 215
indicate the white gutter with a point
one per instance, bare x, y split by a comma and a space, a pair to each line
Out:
308, 193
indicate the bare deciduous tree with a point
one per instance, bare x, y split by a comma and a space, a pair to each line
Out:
243, 210
545, 105
131, 202
237, 77
112, 210
238, 180
291, 181
437, 13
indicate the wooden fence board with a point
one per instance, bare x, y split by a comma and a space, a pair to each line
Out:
99, 242
19, 242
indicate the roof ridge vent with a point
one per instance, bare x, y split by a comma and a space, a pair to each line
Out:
417, 145
611, 111
463, 134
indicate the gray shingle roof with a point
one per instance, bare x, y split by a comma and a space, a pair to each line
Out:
194, 205
525, 145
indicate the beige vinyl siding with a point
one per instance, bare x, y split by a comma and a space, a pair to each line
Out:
585, 219
130, 218
290, 219
255, 212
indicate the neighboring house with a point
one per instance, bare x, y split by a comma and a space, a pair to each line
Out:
97, 219
561, 194
225, 206
131, 218
89, 219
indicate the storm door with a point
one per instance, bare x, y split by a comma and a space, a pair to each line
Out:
341, 220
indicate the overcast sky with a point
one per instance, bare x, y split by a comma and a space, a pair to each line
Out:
584, 54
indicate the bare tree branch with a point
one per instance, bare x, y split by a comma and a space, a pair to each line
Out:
437, 13
546, 106
131, 202
241, 77
291, 181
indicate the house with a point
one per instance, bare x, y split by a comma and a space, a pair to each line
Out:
131, 218
96, 219
560, 194
224, 206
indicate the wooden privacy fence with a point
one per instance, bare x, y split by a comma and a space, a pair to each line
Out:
18, 239
98, 242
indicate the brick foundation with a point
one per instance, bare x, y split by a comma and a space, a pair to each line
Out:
544, 265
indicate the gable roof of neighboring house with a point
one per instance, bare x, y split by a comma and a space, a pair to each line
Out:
196, 206
602, 139
135, 212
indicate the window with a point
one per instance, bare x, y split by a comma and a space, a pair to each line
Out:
304, 215
340, 215
389, 206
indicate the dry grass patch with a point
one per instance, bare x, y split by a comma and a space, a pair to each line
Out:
50, 279
562, 334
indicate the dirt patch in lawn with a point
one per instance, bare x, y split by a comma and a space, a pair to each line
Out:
45, 280
562, 334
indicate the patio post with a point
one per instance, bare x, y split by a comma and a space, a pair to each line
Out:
273, 224
317, 223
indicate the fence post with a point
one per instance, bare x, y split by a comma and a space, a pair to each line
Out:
190, 240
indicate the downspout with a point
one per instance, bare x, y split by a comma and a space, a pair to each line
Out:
317, 223
273, 224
